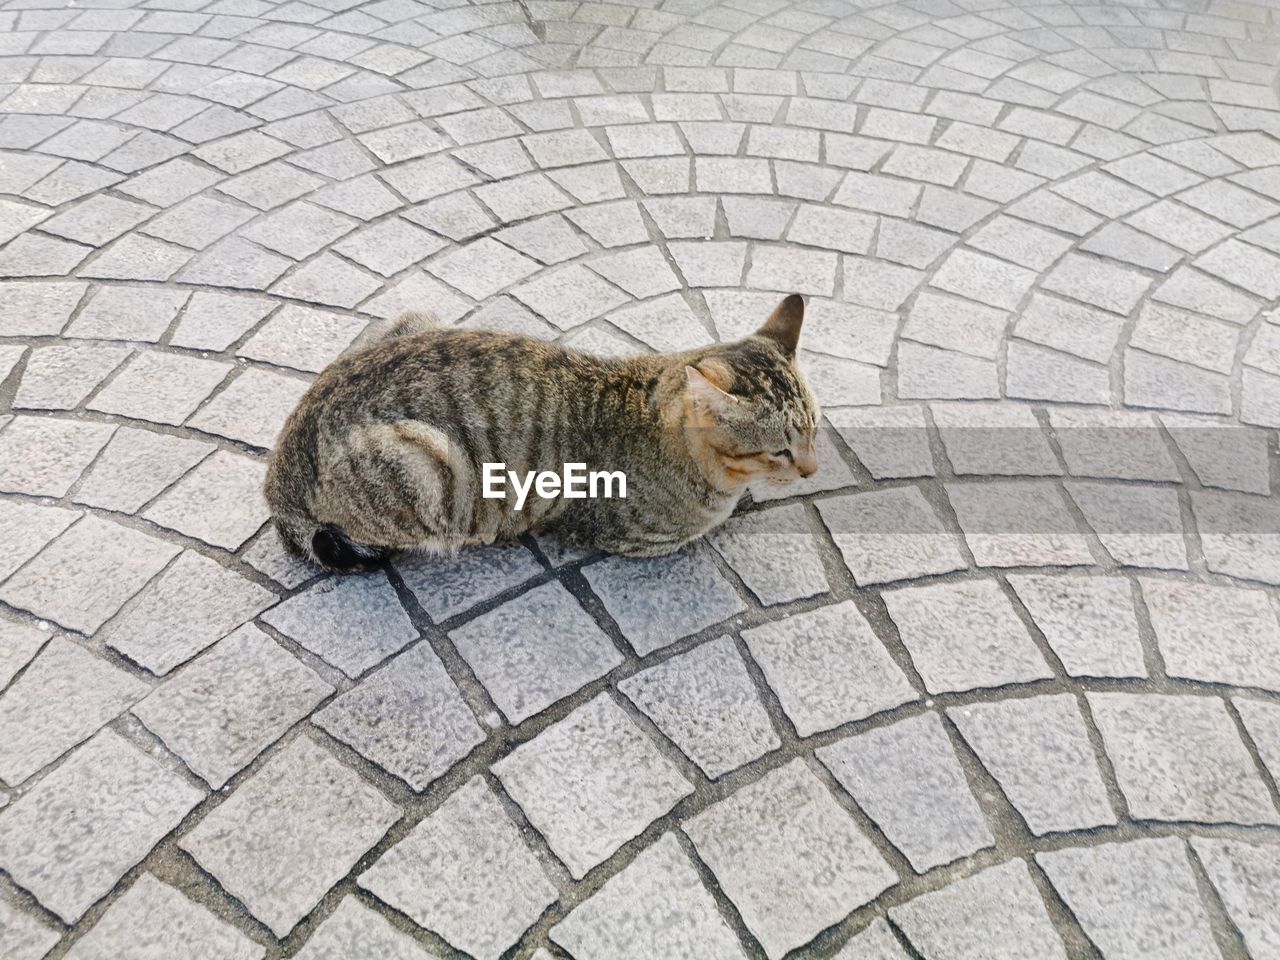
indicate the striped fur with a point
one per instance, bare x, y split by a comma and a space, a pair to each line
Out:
384, 453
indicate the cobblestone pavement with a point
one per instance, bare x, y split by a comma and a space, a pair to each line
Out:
1001, 681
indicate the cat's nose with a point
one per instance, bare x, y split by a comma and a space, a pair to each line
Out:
807, 462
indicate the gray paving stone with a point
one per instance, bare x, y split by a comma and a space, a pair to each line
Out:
996, 914
591, 782
407, 717
655, 907
23, 937
44, 456
1262, 721
535, 650
83, 578
906, 778
352, 622
705, 701
19, 643
482, 268
60, 377
929, 373
828, 667
1189, 337
1247, 877
65, 695
1180, 758
1136, 899
964, 636
252, 408
219, 502
1238, 534
657, 601
229, 706
984, 279
1127, 446
25, 529
888, 535
1039, 752
127, 313
153, 921
875, 942
1222, 455
72, 837
135, 467
789, 857
775, 554
38, 308
1088, 621
1218, 634
160, 387
466, 874
1139, 526
1017, 523
570, 296
290, 832
302, 338
188, 607
889, 441
994, 439
352, 928
955, 324
448, 586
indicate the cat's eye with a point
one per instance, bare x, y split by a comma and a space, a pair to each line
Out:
785, 453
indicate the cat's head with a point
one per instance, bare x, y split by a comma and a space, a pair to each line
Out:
749, 412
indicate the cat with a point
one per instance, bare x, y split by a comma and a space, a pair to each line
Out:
384, 452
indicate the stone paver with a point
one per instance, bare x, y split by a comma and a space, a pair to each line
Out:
965, 635
906, 778
1038, 751
828, 667
1247, 878
994, 914
591, 782
535, 650
87, 574
299, 823
789, 857
1040, 247
228, 706
407, 717
1135, 899
353, 927
705, 701
194, 603
1216, 634
153, 921
1180, 758
65, 695
656, 907
466, 874
889, 535
72, 837
656, 602
1088, 621
352, 623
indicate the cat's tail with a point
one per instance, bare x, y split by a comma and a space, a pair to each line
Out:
328, 545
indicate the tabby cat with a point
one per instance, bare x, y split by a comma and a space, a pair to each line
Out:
385, 450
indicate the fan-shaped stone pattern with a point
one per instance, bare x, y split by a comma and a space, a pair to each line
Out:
1040, 246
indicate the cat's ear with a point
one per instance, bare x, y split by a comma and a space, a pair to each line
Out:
705, 393
783, 325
